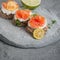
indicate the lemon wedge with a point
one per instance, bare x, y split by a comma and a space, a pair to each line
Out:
31, 4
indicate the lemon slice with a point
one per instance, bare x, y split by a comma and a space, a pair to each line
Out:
31, 4
38, 33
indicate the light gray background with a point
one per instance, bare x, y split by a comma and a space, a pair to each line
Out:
51, 52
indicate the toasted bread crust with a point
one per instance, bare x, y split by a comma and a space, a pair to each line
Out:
22, 24
3, 15
30, 30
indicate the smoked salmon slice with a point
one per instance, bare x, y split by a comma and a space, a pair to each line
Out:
4, 5
37, 21
10, 5
24, 14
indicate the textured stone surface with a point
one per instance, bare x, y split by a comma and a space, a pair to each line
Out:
51, 52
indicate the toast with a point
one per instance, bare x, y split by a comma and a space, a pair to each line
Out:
3, 15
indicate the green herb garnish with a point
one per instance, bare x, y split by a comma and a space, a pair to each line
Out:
51, 24
35, 14
18, 23
53, 21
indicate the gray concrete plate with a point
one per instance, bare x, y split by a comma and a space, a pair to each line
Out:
19, 37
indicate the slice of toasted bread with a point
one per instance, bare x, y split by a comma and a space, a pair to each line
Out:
29, 29
3, 15
21, 24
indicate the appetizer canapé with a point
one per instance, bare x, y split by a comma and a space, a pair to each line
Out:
8, 9
21, 17
37, 25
